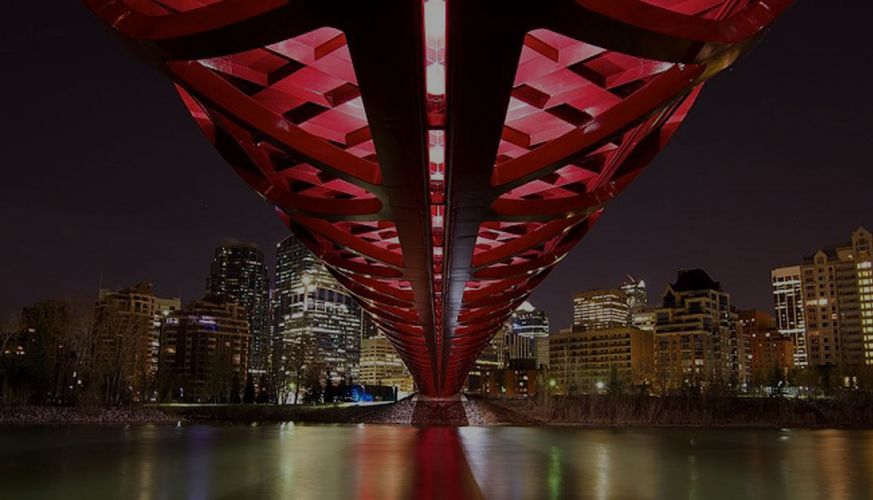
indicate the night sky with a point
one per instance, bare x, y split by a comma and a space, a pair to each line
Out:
105, 176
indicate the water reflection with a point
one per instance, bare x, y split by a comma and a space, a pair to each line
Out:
441, 468
382, 462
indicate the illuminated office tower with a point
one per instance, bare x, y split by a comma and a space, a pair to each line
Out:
527, 335
639, 314
528, 321
381, 365
636, 296
521, 341
238, 274
788, 308
838, 303
521, 345
311, 306
609, 307
600, 309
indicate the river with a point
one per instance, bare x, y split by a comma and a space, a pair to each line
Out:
388, 462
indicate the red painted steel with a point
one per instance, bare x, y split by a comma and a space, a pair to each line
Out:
440, 158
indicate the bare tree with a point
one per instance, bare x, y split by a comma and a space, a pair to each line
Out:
294, 360
56, 347
10, 327
117, 337
662, 376
78, 341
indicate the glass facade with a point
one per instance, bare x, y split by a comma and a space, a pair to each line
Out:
310, 305
609, 308
238, 274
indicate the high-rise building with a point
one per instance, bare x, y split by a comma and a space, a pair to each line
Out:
644, 320
768, 351
610, 307
381, 365
788, 308
238, 274
493, 357
600, 309
511, 382
510, 347
695, 334
542, 352
310, 305
586, 360
522, 335
528, 321
604, 339
205, 351
522, 343
127, 338
751, 323
838, 303
369, 328
637, 296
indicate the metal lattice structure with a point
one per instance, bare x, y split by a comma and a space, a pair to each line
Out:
440, 157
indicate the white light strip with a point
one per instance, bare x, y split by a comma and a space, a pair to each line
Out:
435, 38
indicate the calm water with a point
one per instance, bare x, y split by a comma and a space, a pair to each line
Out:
378, 462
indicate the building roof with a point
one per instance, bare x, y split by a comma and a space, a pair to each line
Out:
526, 307
830, 252
694, 279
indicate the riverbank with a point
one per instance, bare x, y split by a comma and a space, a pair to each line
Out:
405, 412
63, 415
854, 412
586, 411
173, 414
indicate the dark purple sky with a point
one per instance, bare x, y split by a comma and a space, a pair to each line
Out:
104, 174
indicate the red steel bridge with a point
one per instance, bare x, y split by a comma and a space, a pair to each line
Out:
440, 156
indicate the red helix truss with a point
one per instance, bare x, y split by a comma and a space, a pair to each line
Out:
440, 156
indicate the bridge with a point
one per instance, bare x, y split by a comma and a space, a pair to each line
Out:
441, 157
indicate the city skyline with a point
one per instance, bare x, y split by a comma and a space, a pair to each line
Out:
611, 314
746, 345
744, 172
559, 322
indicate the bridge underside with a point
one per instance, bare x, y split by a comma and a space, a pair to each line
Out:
440, 157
